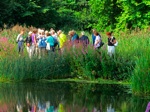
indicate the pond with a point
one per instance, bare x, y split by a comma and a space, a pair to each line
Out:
68, 97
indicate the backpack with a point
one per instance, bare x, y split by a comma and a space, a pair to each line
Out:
101, 43
42, 42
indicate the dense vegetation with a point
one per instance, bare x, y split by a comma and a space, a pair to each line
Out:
76, 14
131, 60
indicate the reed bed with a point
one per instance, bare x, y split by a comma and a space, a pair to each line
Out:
130, 63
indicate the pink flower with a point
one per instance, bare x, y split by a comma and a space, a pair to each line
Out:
5, 49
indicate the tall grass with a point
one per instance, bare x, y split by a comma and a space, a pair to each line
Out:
23, 68
136, 49
141, 74
131, 61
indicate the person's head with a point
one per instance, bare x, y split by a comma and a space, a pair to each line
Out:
94, 31
51, 29
30, 33
59, 32
73, 32
82, 33
42, 32
34, 31
108, 34
47, 33
70, 33
52, 32
22, 32
39, 31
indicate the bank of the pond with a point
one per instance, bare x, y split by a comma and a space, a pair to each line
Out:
99, 81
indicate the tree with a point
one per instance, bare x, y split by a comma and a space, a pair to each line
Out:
135, 13
104, 13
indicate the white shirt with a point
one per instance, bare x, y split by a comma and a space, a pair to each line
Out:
97, 41
19, 37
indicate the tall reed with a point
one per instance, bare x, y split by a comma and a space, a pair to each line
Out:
141, 74
131, 61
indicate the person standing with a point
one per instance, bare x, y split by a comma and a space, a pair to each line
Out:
55, 37
74, 38
62, 39
34, 42
97, 40
50, 41
42, 45
111, 44
20, 42
84, 40
29, 44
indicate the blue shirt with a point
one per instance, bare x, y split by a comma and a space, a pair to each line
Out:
93, 38
75, 38
50, 40
42, 42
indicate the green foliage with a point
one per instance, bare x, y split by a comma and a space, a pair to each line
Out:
34, 69
130, 61
134, 14
141, 74
104, 13
77, 14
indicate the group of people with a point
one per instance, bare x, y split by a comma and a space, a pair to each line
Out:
97, 42
40, 42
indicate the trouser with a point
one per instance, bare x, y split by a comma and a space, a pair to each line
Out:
29, 50
52, 48
51, 51
20, 47
33, 47
42, 51
111, 50
36, 51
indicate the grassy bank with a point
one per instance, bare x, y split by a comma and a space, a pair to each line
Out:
130, 63
99, 81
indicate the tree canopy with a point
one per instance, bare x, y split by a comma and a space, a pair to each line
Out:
76, 14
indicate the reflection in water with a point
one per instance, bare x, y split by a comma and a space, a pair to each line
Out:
68, 97
148, 107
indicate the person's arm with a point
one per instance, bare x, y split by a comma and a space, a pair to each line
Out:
35, 40
113, 40
18, 37
46, 40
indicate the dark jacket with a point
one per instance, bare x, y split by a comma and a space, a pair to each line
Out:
28, 40
84, 40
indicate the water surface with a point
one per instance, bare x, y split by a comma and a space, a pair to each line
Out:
69, 97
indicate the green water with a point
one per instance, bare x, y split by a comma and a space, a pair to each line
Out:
69, 97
